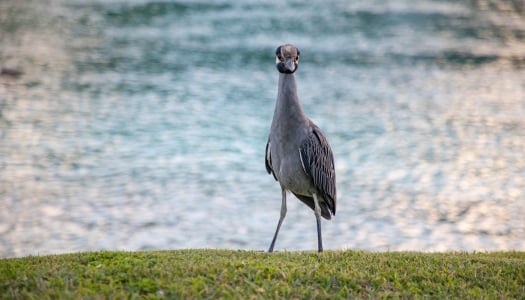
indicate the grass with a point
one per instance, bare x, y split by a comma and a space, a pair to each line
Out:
215, 274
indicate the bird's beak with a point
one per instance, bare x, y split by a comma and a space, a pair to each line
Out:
289, 65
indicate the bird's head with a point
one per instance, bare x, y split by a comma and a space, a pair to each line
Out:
287, 58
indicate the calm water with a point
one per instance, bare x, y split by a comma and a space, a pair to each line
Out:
142, 124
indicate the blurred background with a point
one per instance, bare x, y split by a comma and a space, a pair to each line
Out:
131, 125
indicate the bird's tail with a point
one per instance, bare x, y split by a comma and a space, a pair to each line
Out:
325, 211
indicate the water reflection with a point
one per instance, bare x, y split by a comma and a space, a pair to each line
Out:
142, 125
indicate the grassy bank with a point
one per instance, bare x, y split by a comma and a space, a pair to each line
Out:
240, 274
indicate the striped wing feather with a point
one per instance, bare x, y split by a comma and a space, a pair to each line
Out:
318, 162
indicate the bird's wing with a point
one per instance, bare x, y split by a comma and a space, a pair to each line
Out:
318, 162
268, 160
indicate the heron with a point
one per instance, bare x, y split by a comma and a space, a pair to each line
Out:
297, 153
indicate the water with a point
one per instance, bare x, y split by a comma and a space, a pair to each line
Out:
142, 124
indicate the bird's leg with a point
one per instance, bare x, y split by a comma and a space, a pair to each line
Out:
317, 212
281, 218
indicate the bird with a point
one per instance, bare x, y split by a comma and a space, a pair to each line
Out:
297, 153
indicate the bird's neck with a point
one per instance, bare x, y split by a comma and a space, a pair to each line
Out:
287, 108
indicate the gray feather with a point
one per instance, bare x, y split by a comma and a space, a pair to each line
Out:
318, 162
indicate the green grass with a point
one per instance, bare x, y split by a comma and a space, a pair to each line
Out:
245, 274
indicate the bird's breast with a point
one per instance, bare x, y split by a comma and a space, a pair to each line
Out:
291, 174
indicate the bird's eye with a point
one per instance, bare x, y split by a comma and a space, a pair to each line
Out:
279, 57
278, 51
